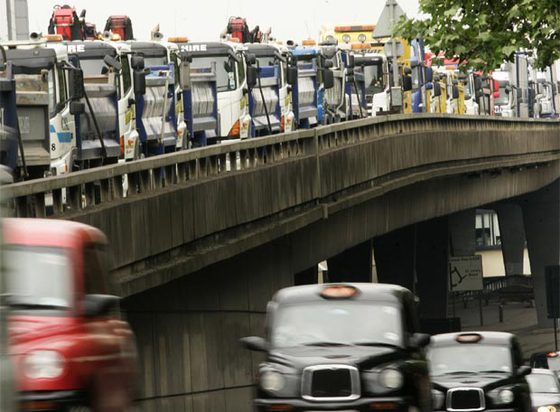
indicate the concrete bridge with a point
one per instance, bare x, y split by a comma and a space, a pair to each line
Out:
202, 238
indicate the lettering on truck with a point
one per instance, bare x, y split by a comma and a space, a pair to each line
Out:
194, 47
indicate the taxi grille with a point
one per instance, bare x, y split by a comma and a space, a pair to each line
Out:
465, 399
331, 382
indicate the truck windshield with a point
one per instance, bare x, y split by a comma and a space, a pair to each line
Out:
373, 75
38, 82
504, 97
337, 323
38, 277
469, 358
155, 61
225, 70
92, 67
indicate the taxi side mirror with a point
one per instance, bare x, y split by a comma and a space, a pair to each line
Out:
524, 370
254, 343
420, 340
100, 305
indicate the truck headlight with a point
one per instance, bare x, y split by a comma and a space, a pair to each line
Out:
391, 378
271, 381
43, 364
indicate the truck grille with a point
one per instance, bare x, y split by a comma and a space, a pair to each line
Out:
326, 383
465, 399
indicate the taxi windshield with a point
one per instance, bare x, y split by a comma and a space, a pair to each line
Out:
469, 358
336, 323
38, 277
543, 383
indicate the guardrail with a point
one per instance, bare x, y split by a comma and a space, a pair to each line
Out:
81, 190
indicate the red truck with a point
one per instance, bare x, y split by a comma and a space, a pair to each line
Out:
70, 349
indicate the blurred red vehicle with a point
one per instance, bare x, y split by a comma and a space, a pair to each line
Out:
69, 347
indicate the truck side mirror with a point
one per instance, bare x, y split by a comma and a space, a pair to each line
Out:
112, 62
139, 78
251, 76
328, 78
250, 58
76, 80
328, 64
420, 340
437, 89
292, 75
429, 74
407, 83
77, 108
100, 305
351, 61
477, 83
455, 91
185, 75
137, 62
507, 89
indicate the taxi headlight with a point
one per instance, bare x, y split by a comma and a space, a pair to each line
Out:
391, 378
43, 364
271, 381
501, 396
548, 408
506, 396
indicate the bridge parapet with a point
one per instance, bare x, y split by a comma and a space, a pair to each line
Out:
183, 207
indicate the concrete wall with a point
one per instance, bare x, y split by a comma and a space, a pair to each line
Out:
188, 333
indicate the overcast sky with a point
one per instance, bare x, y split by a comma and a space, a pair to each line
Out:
204, 20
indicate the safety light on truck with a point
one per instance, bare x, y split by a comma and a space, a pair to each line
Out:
339, 292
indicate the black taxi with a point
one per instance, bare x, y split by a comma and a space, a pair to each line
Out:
342, 347
478, 371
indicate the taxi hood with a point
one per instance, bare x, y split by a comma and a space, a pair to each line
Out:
362, 356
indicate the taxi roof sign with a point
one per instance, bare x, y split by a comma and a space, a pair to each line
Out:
339, 292
469, 338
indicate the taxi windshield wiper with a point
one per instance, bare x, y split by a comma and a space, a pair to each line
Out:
493, 371
325, 344
380, 344
456, 373
22, 305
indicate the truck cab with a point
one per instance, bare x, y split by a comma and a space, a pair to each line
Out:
351, 346
108, 90
8, 117
267, 98
307, 95
69, 347
503, 105
156, 118
45, 102
233, 112
375, 69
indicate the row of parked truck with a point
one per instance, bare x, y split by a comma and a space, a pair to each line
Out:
71, 105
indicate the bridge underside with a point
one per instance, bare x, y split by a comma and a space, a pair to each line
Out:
188, 329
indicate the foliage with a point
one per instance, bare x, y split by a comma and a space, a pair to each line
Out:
484, 33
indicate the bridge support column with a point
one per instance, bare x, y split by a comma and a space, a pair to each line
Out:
307, 277
394, 257
541, 216
432, 267
352, 265
512, 234
462, 233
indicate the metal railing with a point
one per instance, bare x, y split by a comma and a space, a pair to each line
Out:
65, 195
